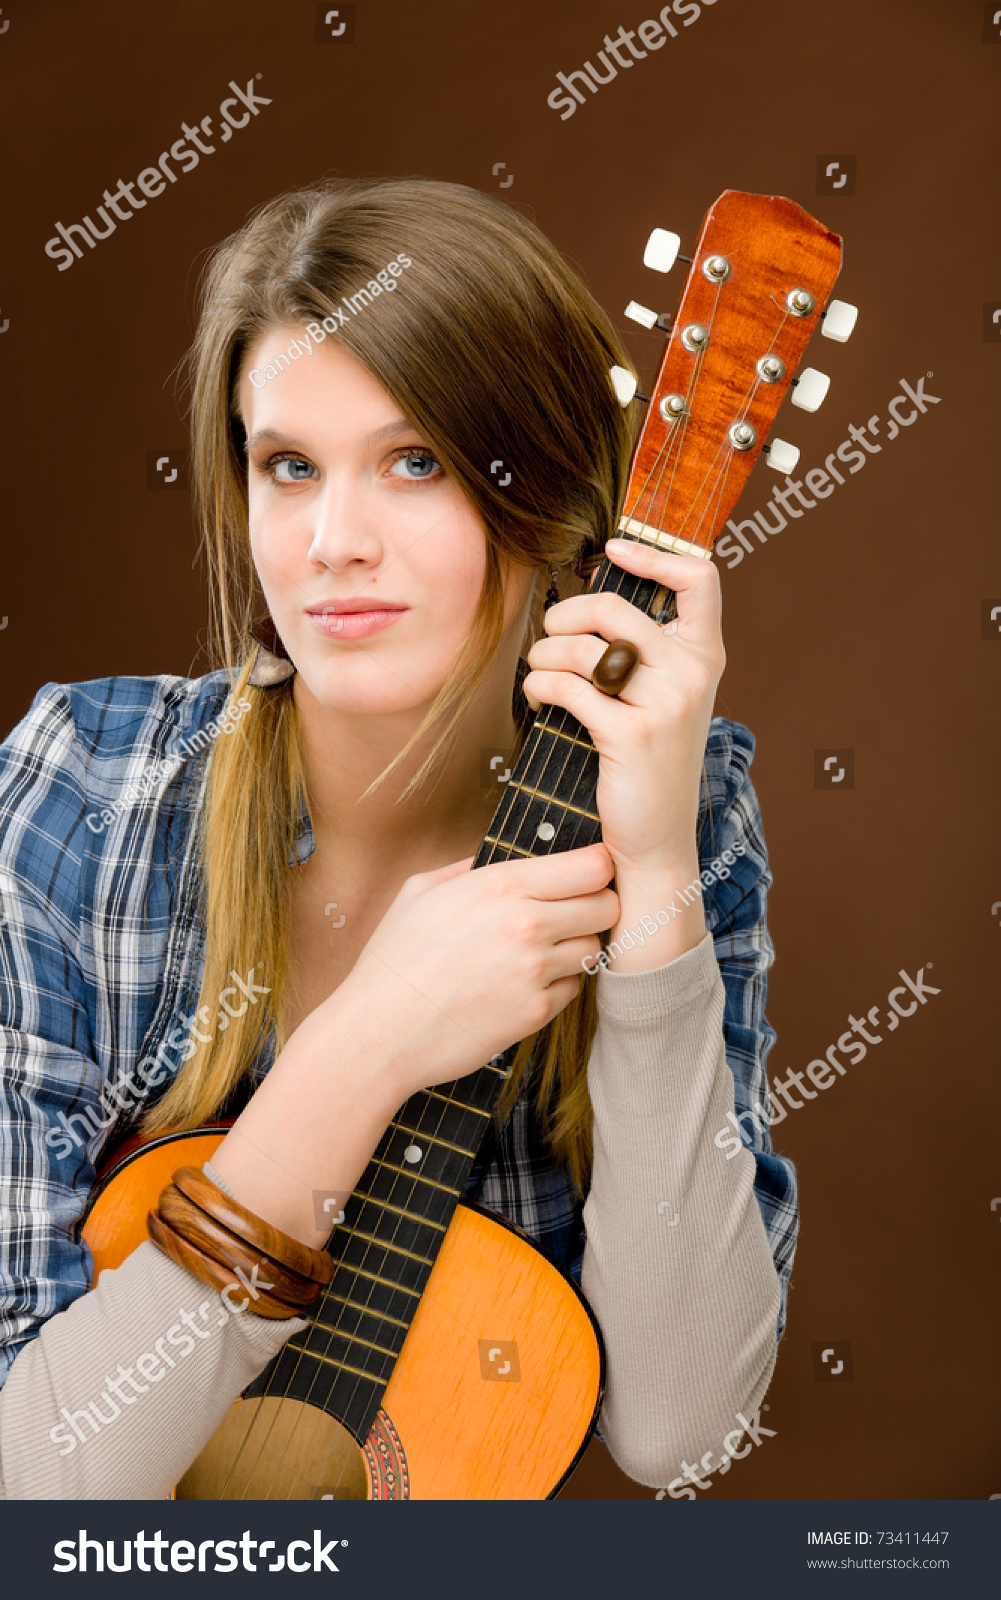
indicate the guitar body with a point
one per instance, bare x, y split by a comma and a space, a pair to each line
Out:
494, 1395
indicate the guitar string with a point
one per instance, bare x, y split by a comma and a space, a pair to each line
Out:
620, 576
330, 1328
674, 436
741, 416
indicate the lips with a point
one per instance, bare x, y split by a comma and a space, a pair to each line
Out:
354, 619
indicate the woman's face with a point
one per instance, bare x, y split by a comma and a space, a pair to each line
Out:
370, 558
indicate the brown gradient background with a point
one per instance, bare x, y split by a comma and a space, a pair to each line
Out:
858, 626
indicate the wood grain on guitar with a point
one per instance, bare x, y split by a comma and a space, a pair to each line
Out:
449, 1359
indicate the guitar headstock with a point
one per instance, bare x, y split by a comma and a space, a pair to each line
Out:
760, 276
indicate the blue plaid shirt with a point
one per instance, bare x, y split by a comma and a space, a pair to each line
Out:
102, 948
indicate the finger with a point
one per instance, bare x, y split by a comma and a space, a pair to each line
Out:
581, 653
581, 916
608, 614
570, 954
568, 652
595, 710
562, 992
558, 877
694, 581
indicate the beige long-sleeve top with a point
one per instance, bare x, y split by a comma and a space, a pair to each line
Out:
687, 1309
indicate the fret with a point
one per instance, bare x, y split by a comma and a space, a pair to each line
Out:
367, 1311
408, 1172
444, 1144
527, 814
489, 839
376, 1277
448, 1099
564, 805
560, 733
400, 1211
342, 1366
387, 1244
352, 1338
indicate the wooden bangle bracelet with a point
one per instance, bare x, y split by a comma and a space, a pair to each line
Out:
316, 1265
208, 1271
198, 1228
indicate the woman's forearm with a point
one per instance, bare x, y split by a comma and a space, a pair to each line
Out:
677, 1265
312, 1126
120, 1392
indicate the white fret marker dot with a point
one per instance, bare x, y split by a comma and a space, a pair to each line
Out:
413, 1153
545, 831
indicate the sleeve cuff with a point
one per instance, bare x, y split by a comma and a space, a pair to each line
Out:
634, 996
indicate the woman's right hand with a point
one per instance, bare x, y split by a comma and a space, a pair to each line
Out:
465, 963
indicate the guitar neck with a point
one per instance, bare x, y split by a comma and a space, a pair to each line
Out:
548, 803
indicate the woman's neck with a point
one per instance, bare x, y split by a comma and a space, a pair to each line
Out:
444, 819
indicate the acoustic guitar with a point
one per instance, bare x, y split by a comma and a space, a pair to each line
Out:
450, 1358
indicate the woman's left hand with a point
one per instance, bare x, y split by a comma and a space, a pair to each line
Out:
651, 738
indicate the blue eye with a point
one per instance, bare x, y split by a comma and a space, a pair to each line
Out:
294, 464
425, 465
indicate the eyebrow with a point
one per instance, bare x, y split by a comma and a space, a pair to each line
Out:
392, 430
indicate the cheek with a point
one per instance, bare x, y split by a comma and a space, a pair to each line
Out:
449, 564
277, 545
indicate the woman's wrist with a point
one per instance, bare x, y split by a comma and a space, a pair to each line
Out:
661, 913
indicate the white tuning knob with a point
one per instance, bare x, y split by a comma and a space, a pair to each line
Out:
838, 321
641, 314
624, 384
783, 457
661, 250
809, 390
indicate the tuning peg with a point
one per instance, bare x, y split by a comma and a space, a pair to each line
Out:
641, 314
838, 321
663, 249
649, 319
809, 390
624, 383
783, 457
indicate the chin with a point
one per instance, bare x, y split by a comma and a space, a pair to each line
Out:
371, 688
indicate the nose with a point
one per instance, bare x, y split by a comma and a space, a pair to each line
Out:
345, 533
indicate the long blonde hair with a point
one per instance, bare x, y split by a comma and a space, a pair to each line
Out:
493, 348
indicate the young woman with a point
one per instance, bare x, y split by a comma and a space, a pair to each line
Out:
403, 426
